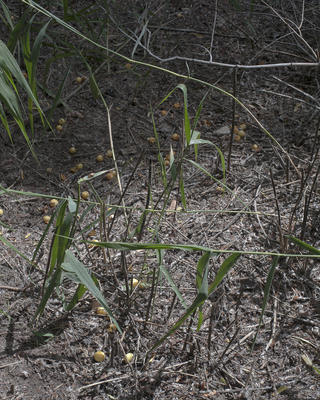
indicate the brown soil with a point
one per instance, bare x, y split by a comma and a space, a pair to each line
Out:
215, 361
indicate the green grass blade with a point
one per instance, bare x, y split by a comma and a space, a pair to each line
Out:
7, 15
6, 242
65, 9
217, 180
57, 97
197, 303
223, 270
304, 245
182, 192
173, 285
72, 264
187, 126
265, 297
55, 279
61, 204
81, 289
202, 141
16, 33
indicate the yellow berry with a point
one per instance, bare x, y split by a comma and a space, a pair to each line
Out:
164, 112
100, 158
1, 212
237, 138
111, 328
91, 175
49, 170
109, 176
114, 173
25, 75
176, 105
151, 140
241, 134
236, 130
59, 128
46, 219
92, 245
179, 15
243, 127
175, 137
79, 79
53, 202
109, 153
128, 66
128, 357
73, 170
102, 311
167, 163
62, 121
85, 195
99, 356
72, 150
134, 282
79, 166
254, 147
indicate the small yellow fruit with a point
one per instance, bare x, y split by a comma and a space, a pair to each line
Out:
111, 328
100, 158
128, 66
179, 15
59, 128
128, 358
243, 127
102, 311
49, 170
175, 137
167, 157
99, 356
53, 202
254, 147
62, 121
92, 245
25, 75
134, 282
73, 170
85, 195
92, 233
114, 173
164, 112
46, 219
176, 105
79, 166
91, 175
79, 79
1, 212
83, 78
237, 138
241, 134
72, 150
236, 130
109, 176
167, 163
109, 153
142, 286
151, 140
219, 189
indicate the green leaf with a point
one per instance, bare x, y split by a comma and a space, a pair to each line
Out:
49, 289
73, 265
217, 180
182, 192
81, 289
16, 33
304, 245
223, 270
173, 285
265, 297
